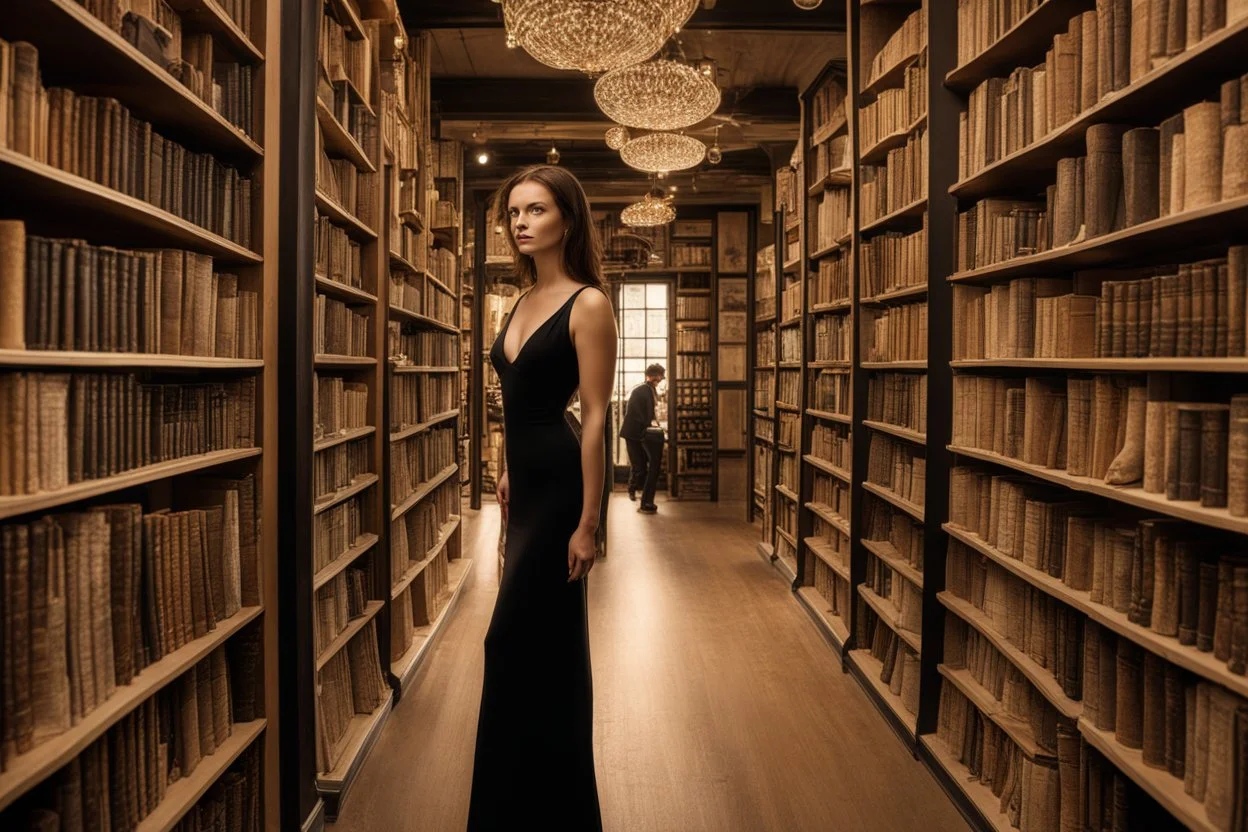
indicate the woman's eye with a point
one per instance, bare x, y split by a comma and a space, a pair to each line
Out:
537, 210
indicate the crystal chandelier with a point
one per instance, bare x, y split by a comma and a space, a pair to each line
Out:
663, 152
594, 35
617, 137
657, 95
652, 210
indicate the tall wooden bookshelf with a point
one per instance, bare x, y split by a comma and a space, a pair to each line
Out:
760, 463
139, 386
694, 434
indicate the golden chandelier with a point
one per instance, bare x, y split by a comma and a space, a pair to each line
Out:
652, 210
663, 152
594, 35
657, 95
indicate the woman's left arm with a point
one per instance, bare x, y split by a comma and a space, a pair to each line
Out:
592, 327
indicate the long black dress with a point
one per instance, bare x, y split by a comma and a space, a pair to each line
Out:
534, 753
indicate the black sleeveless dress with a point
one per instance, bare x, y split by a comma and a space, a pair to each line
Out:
534, 752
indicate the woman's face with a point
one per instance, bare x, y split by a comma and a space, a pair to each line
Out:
536, 223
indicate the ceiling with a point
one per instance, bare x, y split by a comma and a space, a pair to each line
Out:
766, 51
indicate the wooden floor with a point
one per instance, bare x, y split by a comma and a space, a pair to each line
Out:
718, 706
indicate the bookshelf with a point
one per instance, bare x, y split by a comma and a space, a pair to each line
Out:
760, 463
694, 410
139, 330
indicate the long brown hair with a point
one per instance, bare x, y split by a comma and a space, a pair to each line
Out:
582, 252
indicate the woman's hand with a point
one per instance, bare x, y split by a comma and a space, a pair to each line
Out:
581, 553
504, 494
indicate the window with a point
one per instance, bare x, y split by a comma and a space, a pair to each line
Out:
643, 327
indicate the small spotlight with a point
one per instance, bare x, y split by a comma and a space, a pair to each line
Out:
672, 188
661, 174
483, 158
552, 156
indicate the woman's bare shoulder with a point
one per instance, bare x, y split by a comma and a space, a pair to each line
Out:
592, 308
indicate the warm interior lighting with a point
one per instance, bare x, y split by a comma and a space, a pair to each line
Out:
657, 95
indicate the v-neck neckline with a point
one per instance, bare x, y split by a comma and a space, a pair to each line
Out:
512, 361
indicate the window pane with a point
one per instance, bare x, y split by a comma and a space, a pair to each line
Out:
656, 295
634, 296
633, 365
634, 323
656, 323
656, 349
631, 380
634, 347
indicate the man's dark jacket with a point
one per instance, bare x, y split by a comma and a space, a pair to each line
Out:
639, 413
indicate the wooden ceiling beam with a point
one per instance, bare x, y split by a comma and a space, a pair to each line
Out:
727, 15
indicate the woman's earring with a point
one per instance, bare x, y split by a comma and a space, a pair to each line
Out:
565, 233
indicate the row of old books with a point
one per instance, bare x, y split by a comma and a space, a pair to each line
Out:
691, 427
338, 257
339, 329
898, 399
831, 210
233, 803
92, 598
830, 492
122, 777
422, 347
788, 388
833, 338
830, 284
788, 431
417, 459
339, 405
692, 308
896, 183
416, 398
827, 107
443, 307
904, 44
831, 443
339, 467
893, 260
764, 401
444, 214
791, 302
830, 392
423, 600
765, 346
69, 295
833, 546
693, 366
447, 159
442, 263
66, 428
690, 254
898, 467
339, 528
896, 333
693, 393
98, 139
345, 53
982, 22
349, 684
828, 156
1159, 573
831, 588
409, 245
788, 479
894, 110
887, 526
396, 129
896, 591
414, 534
411, 197
899, 663
353, 116
407, 290
353, 189
343, 598
693, 340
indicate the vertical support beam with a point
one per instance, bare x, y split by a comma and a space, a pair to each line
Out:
476, 396
858, 380
300, 24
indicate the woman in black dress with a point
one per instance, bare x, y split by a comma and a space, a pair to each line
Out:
535, 753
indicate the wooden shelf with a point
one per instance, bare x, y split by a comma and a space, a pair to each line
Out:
345, 436
28, 770
423, 320
830, 517
1138, 497
836, 177
895, 295
982, 700
888, 553
1125, 365
346, 15
401, 369
326, 573
878, 152
785, 492
80, 359
827, 250
1167, 647
1042, 678
362, 482
444, 534
785, 534
828, 365
827, 131
827, 467
890, 615
824, 552
25, 504
181, 796
355, 745
424, 491
1186, 78
1164, 787
412, 430
437, 281
83, 50
832, 306
1163, 236
208, 16
869, 669
893, 365
980, 795
354, 227
342, 291
788, 408
829, 416
833, 627
902, 216
1023, 44
915, 511
339, 142
324, 361
891, 77
423, 637
896, 430
353, 628
129, 221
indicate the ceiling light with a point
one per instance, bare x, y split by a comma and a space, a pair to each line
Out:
714, 155
672, 188
708, 68
650, 211
617, 137
594, 35
663, 152
552, 156
483, 158
657, 95
807, 5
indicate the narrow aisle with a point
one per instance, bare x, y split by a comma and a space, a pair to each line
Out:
717, 704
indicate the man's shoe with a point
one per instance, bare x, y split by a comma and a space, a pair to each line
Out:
644, 509
632, 494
